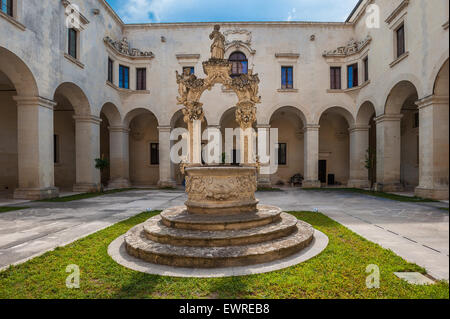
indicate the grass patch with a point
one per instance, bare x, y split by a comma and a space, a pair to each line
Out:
396, 197
84, 196
11, 209
338, 272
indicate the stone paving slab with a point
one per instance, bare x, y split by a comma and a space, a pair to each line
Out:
414, 278
417, 232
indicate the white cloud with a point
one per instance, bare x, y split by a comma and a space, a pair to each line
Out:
144, 10
291, 14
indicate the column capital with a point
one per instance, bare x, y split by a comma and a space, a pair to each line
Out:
217, 126
388, 117
358, 128
165, 128
266, 126
311, 127
121, 129
432, 100
34, 101
87, 119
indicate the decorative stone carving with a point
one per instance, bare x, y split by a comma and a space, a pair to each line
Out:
238, 38
218, 70
352, 47
123, 47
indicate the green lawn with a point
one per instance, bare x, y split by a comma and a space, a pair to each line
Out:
85, 195
376, 194
338, 272
11, 209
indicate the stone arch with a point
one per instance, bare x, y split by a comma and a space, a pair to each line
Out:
436, 70
292, 109
441, 82
342, 111
72, 93
18, 73
265, 116
400, 92
112, 113
136, 112
365, 113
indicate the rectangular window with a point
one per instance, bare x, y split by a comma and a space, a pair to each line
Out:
7, 7
366, 69
287, 77
154, 153
190, 68
335, 76
73, 43
352, 76
55, 149
110, 70
400, 41
124, 77
282, 153
141, 79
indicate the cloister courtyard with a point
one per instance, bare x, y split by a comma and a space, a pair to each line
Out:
399, 234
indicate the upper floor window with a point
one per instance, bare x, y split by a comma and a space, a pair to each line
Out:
335, 77
124, 77
191, 69
287, 77
239, 64
366, 69
141, 79
110, 70
352, 75
400, 39
6, 6
73, 34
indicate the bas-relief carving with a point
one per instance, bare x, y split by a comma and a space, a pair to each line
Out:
218, 70
218, 188
123, 47
350, 48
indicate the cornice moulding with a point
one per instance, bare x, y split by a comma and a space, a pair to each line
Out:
397, 11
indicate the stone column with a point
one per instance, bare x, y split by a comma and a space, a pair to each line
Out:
119, 157
165, 164
311, 156
264, 179
359, 144
35, 148
388, 153
433, 148
87, 148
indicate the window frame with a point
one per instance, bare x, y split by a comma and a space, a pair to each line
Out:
285, 77
70, 32
354, 76
334, 77
151, 159
110, 70
142, 84
10, 10
122, 77
398, 52
235, 62
366, 68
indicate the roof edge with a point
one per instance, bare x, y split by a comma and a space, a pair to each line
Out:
354, 10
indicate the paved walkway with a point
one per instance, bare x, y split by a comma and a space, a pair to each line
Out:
418, 232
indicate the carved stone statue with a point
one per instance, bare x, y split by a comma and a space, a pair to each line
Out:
218, 45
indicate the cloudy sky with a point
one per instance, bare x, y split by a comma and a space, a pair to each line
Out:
141, 11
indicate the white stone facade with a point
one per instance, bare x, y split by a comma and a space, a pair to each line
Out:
400, 113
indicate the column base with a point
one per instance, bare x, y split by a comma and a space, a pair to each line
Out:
167, 184
311, 184
86, 188
432, 193
119, 183
392, 187
358, 183
264, 181
36, 193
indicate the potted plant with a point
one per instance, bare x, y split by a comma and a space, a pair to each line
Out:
101, 164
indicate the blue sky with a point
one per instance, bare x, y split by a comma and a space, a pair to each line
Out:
142, 11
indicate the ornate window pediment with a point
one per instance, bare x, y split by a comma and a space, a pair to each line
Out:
238, 38
352, 47
123, 48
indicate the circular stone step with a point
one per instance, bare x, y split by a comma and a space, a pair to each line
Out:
178, 217
139, 246
158, 232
